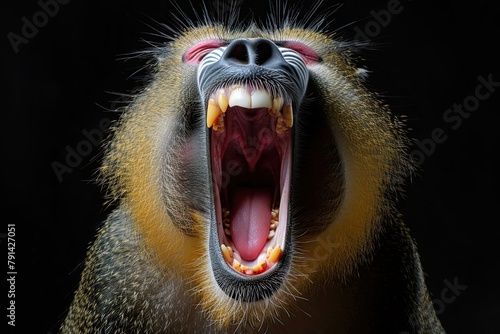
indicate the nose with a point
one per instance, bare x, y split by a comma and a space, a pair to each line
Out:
259, 51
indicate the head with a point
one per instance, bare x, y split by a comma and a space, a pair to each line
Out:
255, 162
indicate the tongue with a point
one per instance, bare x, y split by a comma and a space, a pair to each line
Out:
251, 216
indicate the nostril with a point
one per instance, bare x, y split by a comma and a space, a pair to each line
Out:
238, 52
263, 52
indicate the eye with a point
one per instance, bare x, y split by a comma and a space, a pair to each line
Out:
308, 55
196, 53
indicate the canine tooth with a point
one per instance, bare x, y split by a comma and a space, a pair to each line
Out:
240, 97
222, 100
261, 99
277, 103
227, 232
288, 115
271, 235
213, 112
227, 252
275, 254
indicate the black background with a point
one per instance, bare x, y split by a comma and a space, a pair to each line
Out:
428, 57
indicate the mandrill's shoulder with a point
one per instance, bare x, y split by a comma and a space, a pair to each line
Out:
394, 282
122, 290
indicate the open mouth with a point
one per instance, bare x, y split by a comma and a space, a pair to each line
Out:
251, 151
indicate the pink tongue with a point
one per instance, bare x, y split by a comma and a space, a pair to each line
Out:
250, 219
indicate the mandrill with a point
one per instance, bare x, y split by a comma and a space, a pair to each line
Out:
255, 180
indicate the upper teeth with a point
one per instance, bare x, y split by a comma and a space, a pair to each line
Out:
257, 99
244, 97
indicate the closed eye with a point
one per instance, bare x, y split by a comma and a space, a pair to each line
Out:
196, 53
308, 55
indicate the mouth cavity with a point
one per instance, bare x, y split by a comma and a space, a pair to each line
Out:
250, 149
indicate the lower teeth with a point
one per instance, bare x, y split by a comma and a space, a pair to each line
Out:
273, 255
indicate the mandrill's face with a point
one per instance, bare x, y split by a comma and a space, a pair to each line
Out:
263, 170
259, 123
